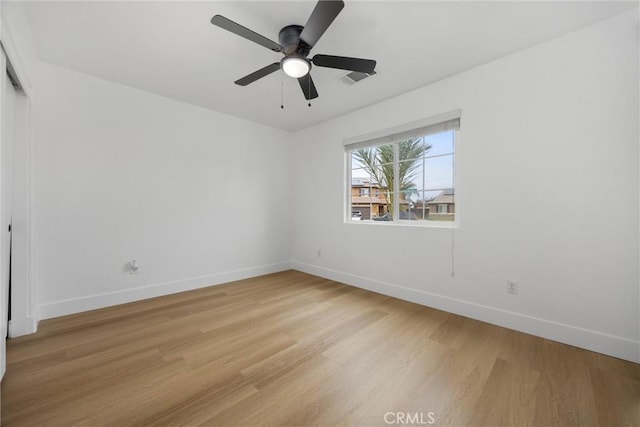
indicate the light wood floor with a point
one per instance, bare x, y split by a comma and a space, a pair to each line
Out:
295, 349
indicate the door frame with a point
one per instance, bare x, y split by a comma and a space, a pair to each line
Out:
24, 313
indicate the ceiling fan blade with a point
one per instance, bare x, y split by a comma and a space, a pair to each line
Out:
307, 86
265, 71
345, 63
322, 16
229, 25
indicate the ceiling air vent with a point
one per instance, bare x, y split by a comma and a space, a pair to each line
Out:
355, 77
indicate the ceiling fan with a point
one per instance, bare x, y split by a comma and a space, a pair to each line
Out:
296, 42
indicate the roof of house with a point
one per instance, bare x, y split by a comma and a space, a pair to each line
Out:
446, 196
363, 182
441, 200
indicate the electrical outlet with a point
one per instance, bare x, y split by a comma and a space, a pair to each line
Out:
512, 288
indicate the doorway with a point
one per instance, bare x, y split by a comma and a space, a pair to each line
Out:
7, 114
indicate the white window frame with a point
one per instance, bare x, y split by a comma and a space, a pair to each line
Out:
429, 126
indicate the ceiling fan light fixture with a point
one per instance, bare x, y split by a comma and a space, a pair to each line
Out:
295, 66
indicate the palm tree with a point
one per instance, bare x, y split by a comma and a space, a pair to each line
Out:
378, 162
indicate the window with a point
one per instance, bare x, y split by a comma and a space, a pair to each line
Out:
412, 169
364, 192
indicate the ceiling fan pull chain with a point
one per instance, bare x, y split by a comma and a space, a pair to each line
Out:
281, 92
309, 80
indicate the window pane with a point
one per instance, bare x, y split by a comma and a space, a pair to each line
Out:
426, 173
439, 172
442, 206
412, 175
412, 149
374, 162
384, 208
371, 168
419, 206
440, 143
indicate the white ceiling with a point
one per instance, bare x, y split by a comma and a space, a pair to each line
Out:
170, 48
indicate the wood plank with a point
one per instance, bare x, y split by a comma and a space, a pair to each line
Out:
294, 349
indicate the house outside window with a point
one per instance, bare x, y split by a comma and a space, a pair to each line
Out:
406, 175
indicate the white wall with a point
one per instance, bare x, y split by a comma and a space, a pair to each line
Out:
195, 196
548, 195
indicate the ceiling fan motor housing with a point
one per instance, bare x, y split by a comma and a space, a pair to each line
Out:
289, 38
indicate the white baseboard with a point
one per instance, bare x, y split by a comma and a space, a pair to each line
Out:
622, 348
92, 302
19, 327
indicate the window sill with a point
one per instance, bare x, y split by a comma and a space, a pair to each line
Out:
413, 224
